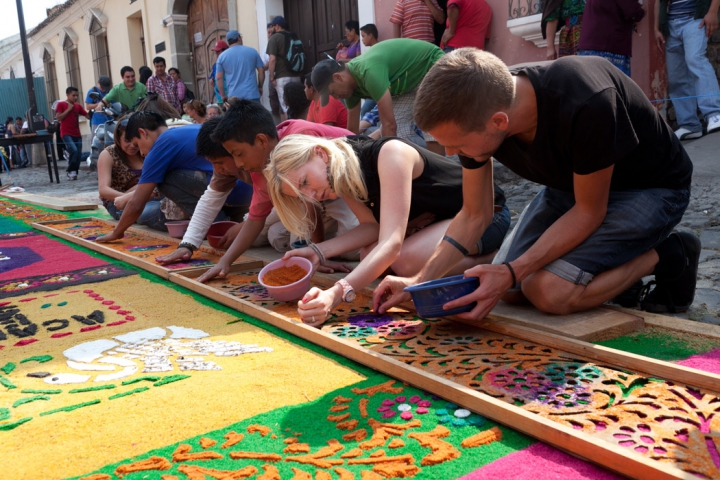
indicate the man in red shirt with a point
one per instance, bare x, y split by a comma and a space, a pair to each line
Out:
67, 113
334, 113
468, 24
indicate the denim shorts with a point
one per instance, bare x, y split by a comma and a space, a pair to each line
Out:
636, 222
494, 234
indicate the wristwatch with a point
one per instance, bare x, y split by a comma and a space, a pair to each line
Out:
348, 291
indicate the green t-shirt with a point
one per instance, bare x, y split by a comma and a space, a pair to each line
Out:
398, 64
120, 93
276, 46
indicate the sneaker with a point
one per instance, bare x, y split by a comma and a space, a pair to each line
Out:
675, 294
72, 175
685, 134
66, 155
630, 297
713, 123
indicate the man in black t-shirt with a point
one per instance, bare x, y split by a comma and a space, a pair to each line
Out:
616, 182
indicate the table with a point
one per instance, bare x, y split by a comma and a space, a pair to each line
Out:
31, 139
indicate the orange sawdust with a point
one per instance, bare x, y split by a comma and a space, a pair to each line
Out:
407, 459
152, 463
382, 431
349, 425
267, 457
169, 477
316, 459
273, 436
368, 475
341, 399
339, 408
357, 435
290, 440
322, 475
396, 443
483, 438
99, 476
182, 454
344, 474
441, 451
396, 470
207, 442
232, 439
355, 452
195, 472
338, 418
363, 407
258, 428
297, 434
279, 277
377, 453
386, 387
300, 475
271, 473
297, 448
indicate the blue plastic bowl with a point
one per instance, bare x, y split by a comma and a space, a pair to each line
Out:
429, 297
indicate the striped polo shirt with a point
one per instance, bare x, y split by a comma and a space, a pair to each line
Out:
416, 19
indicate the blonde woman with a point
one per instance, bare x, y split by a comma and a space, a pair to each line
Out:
421, 192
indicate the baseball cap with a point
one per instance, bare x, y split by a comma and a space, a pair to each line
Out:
232, 35
279, 20
321, 77
220, 46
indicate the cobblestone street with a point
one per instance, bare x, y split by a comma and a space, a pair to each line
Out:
701, 217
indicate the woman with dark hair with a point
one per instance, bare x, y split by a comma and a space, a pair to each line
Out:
145, 73
179, 84
296, 101
119, 168
352, 34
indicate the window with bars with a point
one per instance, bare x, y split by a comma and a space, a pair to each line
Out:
51, 85
72, 64
101, 54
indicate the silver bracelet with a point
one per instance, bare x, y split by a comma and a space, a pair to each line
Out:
319, 253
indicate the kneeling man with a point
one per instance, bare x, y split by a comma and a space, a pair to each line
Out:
617, 181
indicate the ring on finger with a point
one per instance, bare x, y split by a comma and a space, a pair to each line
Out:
313, 317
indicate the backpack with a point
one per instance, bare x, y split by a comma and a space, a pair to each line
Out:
294, 52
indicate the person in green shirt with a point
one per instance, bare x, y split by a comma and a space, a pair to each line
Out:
388, 73
127, 92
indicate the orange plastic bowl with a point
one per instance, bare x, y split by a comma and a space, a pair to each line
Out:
216, 232
294, 291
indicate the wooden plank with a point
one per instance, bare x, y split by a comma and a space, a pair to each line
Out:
149, 266
591, 326
620, 459
673, 323
53, 203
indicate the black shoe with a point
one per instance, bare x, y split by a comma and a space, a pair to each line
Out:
674, 292
630, 297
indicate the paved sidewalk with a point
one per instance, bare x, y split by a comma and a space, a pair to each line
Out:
702, 216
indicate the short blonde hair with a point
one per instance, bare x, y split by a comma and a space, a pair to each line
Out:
294, 151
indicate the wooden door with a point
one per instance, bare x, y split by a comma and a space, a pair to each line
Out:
320, 24
207, 24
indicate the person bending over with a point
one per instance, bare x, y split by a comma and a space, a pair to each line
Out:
421, 192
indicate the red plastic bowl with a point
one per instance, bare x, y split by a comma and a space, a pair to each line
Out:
216, 232
294, 291
177, 228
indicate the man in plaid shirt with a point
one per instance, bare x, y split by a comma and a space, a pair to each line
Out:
163, 84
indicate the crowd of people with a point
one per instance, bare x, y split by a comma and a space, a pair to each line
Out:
383, 155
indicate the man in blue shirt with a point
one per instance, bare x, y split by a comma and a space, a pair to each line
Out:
104, 84
172, 165
237, 65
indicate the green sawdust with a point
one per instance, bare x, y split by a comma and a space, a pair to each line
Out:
41, 392
309, 420
37, 358
98, 213
92, 389
47, 305
8, 368
7, 383
146, 378
4, 414
170, 379
10, 225
129, 392
25, 400
661, 344
10, 426
62, 304
70, 408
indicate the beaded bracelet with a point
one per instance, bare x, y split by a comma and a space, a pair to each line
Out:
189, 246
319, 253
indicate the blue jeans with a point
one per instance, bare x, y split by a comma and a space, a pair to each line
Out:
690, 72
74, 146
636, 222
151, 216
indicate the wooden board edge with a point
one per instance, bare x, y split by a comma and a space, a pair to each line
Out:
673, 323
65, 220
234, 268
586, 446
607, 356
28, 198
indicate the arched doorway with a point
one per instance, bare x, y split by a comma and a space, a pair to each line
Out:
207, 23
